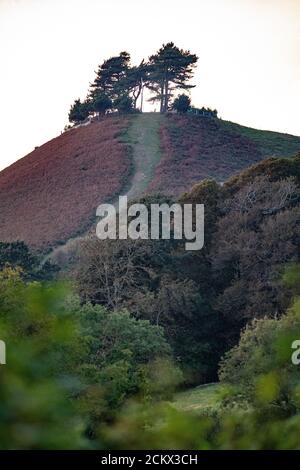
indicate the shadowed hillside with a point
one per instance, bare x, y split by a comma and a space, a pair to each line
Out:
51, 195
194, 148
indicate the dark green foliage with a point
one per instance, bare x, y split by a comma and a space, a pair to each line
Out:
117, 86
152, 280
182, 104
17, 254
136, 79
110, 77
70, 367
274, 168
204, 112
170, 68
124, 104
260, 405
42, 351
81, 364
123, 84
260, 367
101, 103
120, 353
257, 234
203, 299
79, 111
209, 193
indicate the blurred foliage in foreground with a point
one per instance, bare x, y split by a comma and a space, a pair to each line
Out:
78, 376
260, 405
71, 367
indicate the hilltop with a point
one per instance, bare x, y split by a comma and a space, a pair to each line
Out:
52, 194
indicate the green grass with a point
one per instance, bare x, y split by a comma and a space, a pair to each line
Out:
271, 143
143, 136
200, 399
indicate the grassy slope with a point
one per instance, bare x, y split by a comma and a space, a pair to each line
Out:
199, 399
143, 136
195, 148
51, 195
271, 143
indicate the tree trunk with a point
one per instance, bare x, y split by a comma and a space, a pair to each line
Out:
166, 97
142, 97
162, 98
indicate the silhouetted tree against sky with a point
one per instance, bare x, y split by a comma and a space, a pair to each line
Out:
136, 80
110, 76
101, 103
119, 85
169, 69
182, 104
79, 111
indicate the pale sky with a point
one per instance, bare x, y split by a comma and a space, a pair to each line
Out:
249, 58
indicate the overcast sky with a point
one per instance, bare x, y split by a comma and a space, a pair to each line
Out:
249, 58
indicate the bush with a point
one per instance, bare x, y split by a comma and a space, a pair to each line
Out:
121, 356
18, 255
124, 104
260, 367
43, 348
101, 103
79, 111
182, 104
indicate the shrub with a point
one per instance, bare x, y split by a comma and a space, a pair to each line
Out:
182, 104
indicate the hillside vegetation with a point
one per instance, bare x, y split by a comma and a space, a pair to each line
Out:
51, 195
146, 318
143, 136
195, 148
199, 399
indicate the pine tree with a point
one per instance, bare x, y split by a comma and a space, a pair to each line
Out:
101, 103
79, 111
169, 69
182, 104
110, 77
136, 80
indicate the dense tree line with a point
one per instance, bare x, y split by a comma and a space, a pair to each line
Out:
203, 299
95, 368
120, 86
73, 368
18, 255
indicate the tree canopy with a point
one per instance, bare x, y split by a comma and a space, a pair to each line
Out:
119, 85
170, 69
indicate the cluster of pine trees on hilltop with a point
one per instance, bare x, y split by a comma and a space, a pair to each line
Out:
119, 86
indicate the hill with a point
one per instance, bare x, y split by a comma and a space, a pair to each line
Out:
195, 148
52, 194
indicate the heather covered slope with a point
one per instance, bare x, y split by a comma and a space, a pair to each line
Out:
52, 194
195, 148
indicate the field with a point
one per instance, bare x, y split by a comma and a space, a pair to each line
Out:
199, 399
